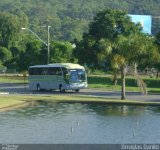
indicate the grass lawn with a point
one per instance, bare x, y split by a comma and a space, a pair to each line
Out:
7, 101
106, 82
12, 79
12, 101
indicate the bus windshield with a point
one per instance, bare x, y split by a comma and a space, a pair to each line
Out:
77, 75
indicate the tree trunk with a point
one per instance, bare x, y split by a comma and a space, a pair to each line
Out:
123, 92
157, 75
115, 78
135, 69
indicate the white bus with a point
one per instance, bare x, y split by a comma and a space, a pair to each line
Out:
62, 76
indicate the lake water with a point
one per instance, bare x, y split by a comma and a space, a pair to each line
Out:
56, 123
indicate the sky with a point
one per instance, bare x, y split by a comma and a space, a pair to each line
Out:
144, 20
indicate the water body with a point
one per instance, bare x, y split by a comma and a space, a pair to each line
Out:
77, 123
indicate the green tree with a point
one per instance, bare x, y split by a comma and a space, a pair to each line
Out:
10, 35
157, 63
61, 52
86, 51
60, 14
107, 24
5, 55
117, 41
31, 55
9, 29
133, 52
111, 23
130, 51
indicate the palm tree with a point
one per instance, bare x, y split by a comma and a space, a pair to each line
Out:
128, 51
132, 50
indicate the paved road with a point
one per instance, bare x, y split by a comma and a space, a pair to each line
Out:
23, 89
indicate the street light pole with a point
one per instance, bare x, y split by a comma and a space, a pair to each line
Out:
35, 35
47, 44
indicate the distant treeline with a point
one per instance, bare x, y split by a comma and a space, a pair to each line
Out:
70, 18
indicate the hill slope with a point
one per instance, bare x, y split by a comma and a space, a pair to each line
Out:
70, 18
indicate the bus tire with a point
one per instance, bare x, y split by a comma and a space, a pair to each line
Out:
63, 90
38, 88
77, 90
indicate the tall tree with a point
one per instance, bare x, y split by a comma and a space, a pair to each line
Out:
157, 63
133, 51
9, 29
10, 35
5, 55
107, 24
117, 40
31, 55
111, 23
61, 52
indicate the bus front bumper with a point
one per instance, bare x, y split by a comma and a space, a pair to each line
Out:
75, 86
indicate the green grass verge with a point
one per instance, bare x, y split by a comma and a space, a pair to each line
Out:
10, 101
12, 79
106, 82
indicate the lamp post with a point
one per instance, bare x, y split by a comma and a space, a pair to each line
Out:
47, 44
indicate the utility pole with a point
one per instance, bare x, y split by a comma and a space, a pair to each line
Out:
48, 45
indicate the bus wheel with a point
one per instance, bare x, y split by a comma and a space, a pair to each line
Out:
63, 90
77, 90
38, 87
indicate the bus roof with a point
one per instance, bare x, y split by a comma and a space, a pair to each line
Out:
65, 65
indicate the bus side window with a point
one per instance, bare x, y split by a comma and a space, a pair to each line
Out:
58, 71
35, 71
44, 71
39, 71
54, 71
50, 71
